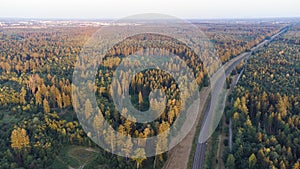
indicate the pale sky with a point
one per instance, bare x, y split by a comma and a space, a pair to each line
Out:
193, 9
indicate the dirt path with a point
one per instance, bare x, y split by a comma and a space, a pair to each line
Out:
179, 155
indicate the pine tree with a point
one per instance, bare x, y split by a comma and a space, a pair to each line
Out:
59, 100
88, 108
128, 146
230, 162
140, 98
23, 96
19, 139
282, 165
296, 165
66, 100
139, 157
252, 161
38, 98
46, 106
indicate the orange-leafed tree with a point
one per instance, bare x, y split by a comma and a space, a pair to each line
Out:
19, 142
19, 139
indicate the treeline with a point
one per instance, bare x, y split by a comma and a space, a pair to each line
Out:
230, 39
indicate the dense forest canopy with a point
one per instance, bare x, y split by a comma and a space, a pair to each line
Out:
266, 110
36, 68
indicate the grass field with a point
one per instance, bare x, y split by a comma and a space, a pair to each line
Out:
75, 157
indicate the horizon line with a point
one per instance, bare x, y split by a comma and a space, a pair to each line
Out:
185, 18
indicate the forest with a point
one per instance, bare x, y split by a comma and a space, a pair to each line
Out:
39, 127
265, 111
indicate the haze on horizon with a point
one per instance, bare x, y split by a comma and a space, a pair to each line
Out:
110, 9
